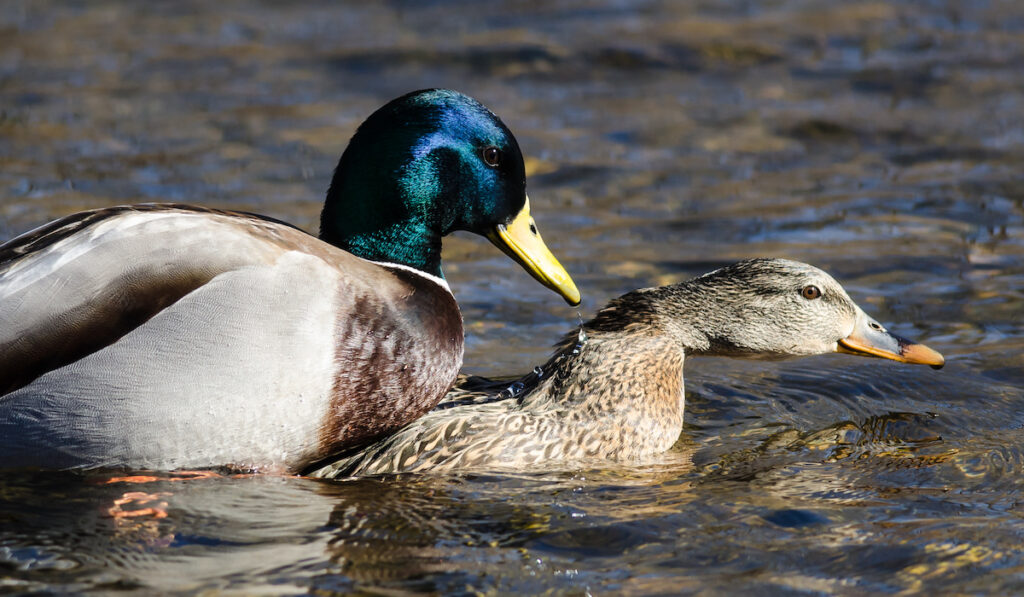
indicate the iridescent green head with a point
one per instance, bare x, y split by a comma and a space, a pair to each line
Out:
427, 164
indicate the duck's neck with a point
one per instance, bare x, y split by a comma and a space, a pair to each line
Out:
622, 376
409, 243
624, 390
384, 204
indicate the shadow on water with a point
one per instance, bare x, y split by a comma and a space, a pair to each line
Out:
879, 141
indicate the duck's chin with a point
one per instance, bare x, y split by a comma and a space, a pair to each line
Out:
757, 356
777, 357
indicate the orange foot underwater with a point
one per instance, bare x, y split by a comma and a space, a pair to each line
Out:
174, 476
151, 504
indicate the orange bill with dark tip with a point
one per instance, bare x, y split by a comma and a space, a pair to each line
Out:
890, 347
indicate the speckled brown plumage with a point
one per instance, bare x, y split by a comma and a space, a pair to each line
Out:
569, 414
614, 388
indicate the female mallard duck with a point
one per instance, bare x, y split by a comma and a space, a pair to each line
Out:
614, 389
170, 336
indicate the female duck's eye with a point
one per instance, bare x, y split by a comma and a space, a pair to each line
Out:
810, 292
492, 156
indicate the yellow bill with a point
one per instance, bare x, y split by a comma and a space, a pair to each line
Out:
521, 241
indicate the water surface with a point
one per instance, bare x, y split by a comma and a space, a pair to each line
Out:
882, 142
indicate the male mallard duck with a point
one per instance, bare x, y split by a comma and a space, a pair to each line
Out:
614, 389
170, 336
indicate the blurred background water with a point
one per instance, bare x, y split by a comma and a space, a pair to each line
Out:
881, 141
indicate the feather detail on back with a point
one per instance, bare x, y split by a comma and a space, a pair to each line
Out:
224, 339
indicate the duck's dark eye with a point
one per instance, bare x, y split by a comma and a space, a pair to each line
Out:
810, 292
492, 156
